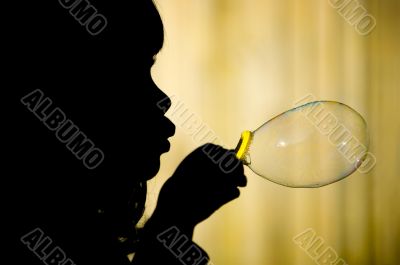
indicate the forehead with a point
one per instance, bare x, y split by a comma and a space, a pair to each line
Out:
134, 24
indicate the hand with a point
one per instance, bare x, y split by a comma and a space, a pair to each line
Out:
201, 184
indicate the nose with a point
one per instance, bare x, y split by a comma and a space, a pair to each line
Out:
163, 102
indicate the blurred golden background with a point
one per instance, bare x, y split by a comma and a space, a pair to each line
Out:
235, 64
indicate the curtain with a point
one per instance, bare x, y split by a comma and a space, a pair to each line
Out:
234, 64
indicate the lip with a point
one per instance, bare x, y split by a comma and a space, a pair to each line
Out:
165, 146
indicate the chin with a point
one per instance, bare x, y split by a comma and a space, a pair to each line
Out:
150, 168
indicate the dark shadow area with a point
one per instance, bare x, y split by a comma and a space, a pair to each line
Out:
101, 83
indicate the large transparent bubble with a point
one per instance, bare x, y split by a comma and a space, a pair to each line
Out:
309, 146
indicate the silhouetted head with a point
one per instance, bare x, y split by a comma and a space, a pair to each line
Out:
103, 84
104, 81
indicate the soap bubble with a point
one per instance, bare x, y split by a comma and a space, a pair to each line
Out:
313, 145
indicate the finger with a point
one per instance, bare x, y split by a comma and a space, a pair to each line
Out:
214, 152
241, 180
234, 169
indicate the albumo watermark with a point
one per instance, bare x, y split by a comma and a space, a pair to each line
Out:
355, 14
336, 133
86, 14
65, 130
179, 245
316, 248
45, 249
199, 132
